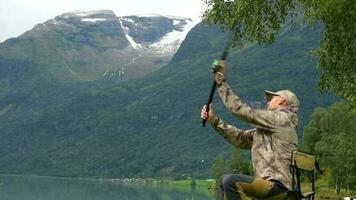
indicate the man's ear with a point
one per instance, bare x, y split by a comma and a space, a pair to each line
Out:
282, 101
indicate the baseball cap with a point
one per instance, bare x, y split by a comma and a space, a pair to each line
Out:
290, 97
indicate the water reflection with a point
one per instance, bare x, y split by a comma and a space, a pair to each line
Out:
46, 188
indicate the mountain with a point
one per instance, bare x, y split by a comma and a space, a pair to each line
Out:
87, 46
146, 127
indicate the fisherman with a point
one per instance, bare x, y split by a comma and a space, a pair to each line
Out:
271, 141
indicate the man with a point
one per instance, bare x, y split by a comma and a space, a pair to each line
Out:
271, 142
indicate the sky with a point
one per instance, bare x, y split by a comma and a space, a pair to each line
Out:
19, 16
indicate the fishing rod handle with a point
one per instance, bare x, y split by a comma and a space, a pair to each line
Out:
213, 87
211, 95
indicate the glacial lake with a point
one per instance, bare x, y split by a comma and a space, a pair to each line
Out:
48, 188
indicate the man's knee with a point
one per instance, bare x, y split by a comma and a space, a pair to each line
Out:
222, 180
229, 180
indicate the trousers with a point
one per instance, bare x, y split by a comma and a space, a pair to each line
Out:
240, 187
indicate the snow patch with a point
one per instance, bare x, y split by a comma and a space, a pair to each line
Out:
176, 17
148, 15
125, 28
129, 38
176, 22
172, 40
132, 42
81, 13
166, 45
129, 20
92, 19
158, 15
78, 13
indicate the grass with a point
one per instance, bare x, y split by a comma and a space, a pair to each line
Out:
188, 185
323, 190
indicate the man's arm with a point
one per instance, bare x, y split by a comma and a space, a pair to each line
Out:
237, 137
264, 119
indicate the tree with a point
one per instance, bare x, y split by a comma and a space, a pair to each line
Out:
337, 49
331, 135
237, 162
260, 20
314, 130
339, 156
218, 167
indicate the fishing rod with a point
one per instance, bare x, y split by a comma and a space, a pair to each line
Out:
215, 68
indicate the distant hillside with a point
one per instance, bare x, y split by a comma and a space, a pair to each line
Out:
150, 126
86, 46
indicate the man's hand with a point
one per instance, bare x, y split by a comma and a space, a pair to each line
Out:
209, 116
222, 66
220, 74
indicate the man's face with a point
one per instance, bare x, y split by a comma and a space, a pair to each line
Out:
275, 102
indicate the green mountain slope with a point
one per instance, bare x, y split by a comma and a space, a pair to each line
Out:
151, 126
85, 46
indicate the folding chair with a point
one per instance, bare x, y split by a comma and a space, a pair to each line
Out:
305, 163
301, 163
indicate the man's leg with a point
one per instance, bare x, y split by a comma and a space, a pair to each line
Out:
238, 187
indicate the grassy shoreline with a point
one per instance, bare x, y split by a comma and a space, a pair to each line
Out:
189, 185
323, 190
202, 186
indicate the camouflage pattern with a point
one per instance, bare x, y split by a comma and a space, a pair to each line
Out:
272, 140
291, 99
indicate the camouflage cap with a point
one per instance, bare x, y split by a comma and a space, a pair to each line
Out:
290, 97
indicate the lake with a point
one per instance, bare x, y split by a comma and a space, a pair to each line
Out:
50, 188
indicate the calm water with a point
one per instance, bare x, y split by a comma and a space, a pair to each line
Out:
45, 188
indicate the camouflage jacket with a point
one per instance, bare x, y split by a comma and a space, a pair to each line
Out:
271, 142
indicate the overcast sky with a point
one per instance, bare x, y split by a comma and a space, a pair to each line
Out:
18, 16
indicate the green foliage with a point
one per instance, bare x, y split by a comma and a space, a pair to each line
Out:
261, 20
238, 164
218, 167
258, 20
337, 50
313, 131
331, 135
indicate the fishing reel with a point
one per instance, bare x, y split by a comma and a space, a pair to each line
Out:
215, 67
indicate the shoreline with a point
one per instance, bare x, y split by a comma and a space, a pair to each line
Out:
167, 179
188, 185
